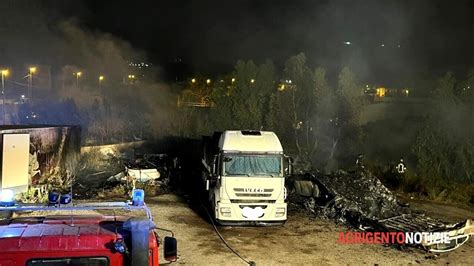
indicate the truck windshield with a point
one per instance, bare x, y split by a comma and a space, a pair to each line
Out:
256, 165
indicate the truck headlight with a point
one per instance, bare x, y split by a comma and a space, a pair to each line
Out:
225, 211
280, 212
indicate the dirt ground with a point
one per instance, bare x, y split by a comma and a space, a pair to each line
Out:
302, 240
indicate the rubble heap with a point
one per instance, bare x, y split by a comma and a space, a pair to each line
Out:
154, 172
353, 198
360, 200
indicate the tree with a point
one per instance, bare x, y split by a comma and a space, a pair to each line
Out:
350, 96
242, 99
444, 146
324, 114
265, 85
245, 103
291, 110
344, 126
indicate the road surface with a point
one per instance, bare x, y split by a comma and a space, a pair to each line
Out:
302, 240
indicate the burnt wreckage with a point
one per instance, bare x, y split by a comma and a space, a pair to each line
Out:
359, 200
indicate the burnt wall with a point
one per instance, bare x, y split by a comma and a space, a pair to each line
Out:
49, 147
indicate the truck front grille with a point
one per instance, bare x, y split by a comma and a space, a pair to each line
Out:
243, 190
262, 195
252, 201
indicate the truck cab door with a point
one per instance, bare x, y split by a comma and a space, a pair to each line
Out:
287, 166
213, 178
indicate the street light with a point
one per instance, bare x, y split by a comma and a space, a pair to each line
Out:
252, 81
4, 73
30, 91
193, 80
78, 75
208, 81
131, 77
233, 80
101, 78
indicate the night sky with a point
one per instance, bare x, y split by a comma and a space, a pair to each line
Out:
388, 39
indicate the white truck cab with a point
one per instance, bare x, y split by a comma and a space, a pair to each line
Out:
244, 172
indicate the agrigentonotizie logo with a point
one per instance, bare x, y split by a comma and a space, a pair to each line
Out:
412, 238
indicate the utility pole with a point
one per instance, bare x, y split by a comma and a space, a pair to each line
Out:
30, 83
4, 73
101, 78
78, 75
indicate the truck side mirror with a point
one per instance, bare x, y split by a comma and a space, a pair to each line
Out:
170, 249
288, 166
214, 165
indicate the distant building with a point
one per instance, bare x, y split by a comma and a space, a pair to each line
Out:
379, 94
196, 93
285, 85
140, 70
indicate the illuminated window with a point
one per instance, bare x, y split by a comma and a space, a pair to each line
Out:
380, 92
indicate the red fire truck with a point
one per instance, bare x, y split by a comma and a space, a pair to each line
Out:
96, 234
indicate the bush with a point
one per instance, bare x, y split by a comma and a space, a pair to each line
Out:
437, 190
150, 188
120, 191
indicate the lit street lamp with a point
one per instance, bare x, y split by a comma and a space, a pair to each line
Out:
78, 75
252, 81
30, 91
131, 78
233, 80
4, 73
208, 81
193, 80
101, 78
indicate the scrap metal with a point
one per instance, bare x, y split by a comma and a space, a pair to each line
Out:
360, 200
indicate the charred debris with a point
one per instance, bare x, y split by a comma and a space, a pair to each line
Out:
352, 198
359, 200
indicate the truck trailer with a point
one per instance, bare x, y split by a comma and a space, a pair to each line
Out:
244, 177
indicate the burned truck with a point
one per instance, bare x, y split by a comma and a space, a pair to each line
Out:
243, 174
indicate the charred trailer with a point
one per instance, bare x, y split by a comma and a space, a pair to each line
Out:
243, 174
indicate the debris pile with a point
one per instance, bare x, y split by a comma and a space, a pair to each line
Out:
351, 198
153, 171
360, 200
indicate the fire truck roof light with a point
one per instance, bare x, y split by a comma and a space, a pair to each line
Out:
53, 197
65, 199
138, 197
7, 197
